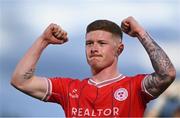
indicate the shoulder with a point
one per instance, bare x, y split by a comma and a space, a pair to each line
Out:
62, 79
136, 80
67, 80
137, 77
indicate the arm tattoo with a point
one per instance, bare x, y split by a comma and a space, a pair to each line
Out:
164, 73
155, 85
29, 74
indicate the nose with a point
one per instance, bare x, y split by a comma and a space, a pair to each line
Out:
94, 48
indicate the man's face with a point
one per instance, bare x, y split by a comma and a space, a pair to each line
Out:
101, 49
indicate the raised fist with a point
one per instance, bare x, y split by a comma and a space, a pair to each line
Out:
54, 34
131, 27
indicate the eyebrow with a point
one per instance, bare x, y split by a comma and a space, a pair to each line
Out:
90, 40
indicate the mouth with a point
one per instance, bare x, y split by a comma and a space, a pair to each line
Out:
92, 56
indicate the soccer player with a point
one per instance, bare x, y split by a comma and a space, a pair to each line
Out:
107, 93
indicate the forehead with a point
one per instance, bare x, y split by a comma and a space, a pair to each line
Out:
98, 34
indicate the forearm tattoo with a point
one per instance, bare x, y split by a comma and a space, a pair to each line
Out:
161, 79
29, 74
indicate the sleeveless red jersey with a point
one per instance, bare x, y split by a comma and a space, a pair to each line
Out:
118, 97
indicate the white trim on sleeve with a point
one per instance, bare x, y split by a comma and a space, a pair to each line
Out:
143, 86
48, 90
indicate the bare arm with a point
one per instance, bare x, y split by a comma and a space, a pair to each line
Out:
165, 72
23, 77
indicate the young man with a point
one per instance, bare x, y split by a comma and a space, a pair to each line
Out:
107, 93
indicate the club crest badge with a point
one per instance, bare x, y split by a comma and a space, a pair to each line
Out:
74, 94
121, 94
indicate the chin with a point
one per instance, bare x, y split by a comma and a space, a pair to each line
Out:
96, 67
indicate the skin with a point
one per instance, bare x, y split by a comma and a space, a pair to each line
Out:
102, 51
23, 77
165, 72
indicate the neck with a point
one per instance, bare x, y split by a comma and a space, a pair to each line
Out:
106, 73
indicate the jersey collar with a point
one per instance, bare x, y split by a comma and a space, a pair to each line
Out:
105, 82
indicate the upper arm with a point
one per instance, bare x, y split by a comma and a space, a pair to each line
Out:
35, 87
156, 85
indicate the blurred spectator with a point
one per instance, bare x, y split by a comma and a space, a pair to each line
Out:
168, 104
176, 113
170, 108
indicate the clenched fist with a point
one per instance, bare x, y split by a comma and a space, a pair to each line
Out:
131, 27
54, 34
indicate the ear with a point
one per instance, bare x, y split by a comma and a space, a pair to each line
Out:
120, 48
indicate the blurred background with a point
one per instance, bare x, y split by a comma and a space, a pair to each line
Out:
22, 21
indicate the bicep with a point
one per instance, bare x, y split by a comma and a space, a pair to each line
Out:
35, 87
155, 85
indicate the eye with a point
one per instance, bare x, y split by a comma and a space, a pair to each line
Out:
89, 43
102, 42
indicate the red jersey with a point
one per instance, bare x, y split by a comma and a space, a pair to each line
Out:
118, 97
